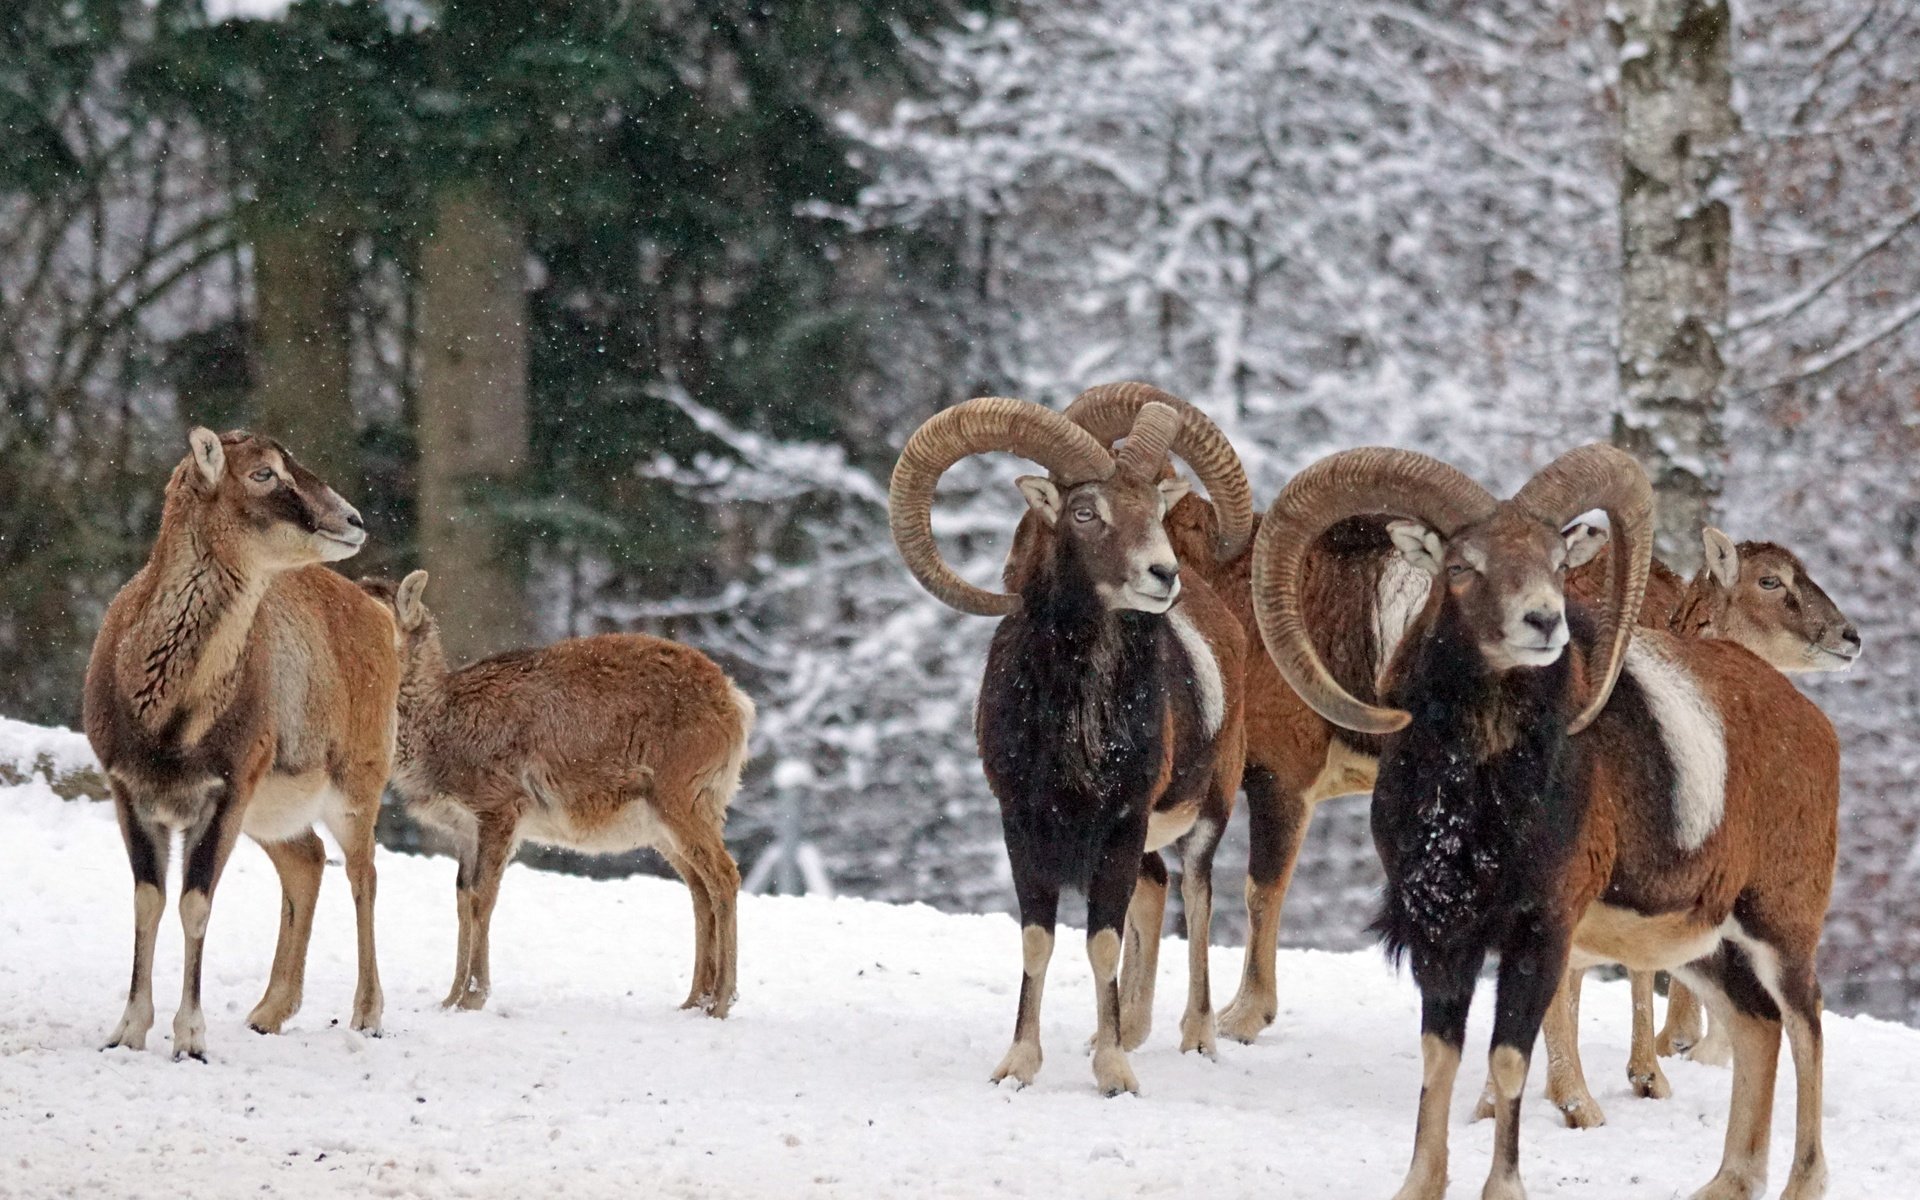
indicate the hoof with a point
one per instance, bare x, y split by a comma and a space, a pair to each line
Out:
1021, 1064
1244, 1019
1715, 1050
190, 1037
1650, 1085
267, 1018
1807, 1183
1581, 1113
1730, 1185
1196, 1033
1671, 1046
1112, 1072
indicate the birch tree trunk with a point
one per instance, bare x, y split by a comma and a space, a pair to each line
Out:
302, 283
473, 422
1676, 127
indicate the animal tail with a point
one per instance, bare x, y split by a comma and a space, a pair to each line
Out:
720, 784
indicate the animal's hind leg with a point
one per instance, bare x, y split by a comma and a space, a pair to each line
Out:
1798, 993
701, 844
1196, 891
1276, 826
1140, 964
1643, 1064
1684, 1026
1739, 1003
704, 967
300, 861
147, 847
1039, 909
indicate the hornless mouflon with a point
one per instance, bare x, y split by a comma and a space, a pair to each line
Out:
237, 685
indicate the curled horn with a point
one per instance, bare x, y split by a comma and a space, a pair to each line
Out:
1600, 476
979, 426
1146, 448
1398, 482
1108, 411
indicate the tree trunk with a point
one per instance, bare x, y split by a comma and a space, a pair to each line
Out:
1676, 124
302, 284
473, 423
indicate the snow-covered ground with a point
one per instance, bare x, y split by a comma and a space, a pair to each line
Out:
854, 1065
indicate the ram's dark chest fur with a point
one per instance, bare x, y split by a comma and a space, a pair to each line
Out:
1476, 808
1072, 727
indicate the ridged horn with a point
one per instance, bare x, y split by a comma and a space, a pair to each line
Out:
1107, 411
1600, 476
1145, 451
981, 426
1371, 480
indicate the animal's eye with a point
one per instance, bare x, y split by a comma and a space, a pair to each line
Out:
263, 475
1083, 514
1456, 570
1770, 582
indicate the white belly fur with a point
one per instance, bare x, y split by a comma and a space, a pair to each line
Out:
1165, 828
285, 806
630, 829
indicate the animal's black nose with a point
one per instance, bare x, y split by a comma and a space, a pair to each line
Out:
354, 520
1165, 572
1851, 636
1545, 620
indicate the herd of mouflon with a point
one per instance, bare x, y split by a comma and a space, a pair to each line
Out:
1576, 756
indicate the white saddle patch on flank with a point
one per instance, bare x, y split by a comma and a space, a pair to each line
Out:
1209, 691
1696, 740
1402, 594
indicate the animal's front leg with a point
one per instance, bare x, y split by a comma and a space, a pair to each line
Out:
1643, 1065
496, 838
1109, 893
205, 848
1443, 1031
1532, 972
355, 831
147, 847
1039, 908
300, 860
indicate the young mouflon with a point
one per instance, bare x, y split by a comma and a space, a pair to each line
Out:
596, 744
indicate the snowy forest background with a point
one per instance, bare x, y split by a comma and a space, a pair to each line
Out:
614, 313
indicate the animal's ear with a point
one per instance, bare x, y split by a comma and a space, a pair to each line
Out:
1171, 490
1042, 496
208, 456
1723, 560
1584, 540
406, 601
1420, 546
